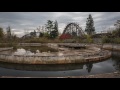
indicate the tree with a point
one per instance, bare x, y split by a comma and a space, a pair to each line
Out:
49, 26
46, 35
90, 29
56, 29
117, 24
8, 32
116, 32
33, 34
89, 39
54, 32
52, 29
41, 34
1, 33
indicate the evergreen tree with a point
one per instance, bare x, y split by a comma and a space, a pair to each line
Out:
1, 33
56, 28
49, 26
52, 28
54, 32
90, 29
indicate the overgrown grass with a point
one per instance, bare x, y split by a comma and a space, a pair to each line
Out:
3, 45
111, 40
41, 40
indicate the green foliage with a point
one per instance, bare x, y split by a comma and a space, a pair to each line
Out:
115, 37
105, 39
56, 29
114, 33
14, 45
116, 40
52, 28
33, 34
49, 26
89, 39
41, 34
46, 35
53, 34
41, 40
90, 29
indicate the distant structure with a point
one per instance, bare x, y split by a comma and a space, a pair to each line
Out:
72, 30
100, 35
31, 34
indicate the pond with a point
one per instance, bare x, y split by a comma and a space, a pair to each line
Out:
35, 49
30, 50
107, 66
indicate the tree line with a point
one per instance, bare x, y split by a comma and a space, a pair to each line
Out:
50, 32
8, 35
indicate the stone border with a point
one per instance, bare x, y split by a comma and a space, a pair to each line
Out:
115, 47
54, 59
5, 49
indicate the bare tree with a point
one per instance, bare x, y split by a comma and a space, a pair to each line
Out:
26, 31
39, 29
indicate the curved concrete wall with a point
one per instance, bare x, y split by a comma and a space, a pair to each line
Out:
4, 49
111, 46
65, 59
53, 59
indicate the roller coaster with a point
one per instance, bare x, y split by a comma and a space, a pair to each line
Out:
74, 30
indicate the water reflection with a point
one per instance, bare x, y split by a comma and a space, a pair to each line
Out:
41, 67
89, 67
116, 56
38, 49
107, 66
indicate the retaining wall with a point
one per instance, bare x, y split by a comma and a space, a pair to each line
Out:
5, 49
112, 47
65, 59
53, 59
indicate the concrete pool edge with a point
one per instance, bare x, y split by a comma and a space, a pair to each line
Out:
53, 59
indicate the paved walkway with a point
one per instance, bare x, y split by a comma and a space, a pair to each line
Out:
106, 75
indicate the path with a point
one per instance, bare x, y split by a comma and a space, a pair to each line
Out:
106, 75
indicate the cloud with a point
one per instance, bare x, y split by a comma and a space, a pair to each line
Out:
19, 21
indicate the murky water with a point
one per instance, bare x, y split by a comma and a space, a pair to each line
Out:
107, 66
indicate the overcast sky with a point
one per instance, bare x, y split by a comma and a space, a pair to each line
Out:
19, 21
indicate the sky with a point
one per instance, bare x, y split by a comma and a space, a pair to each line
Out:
21, 21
